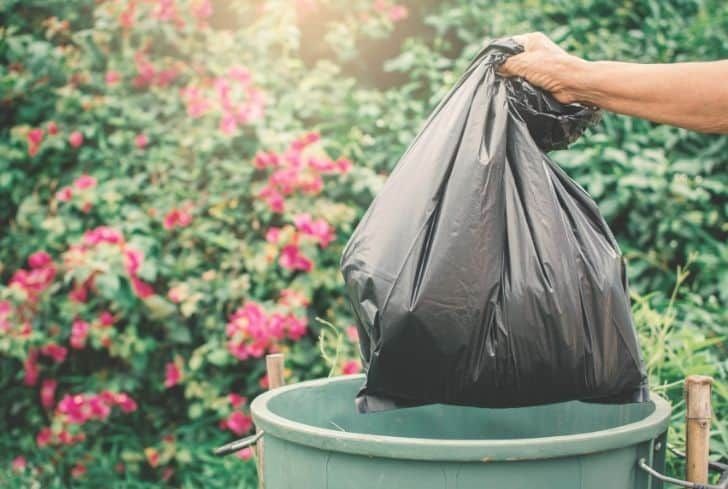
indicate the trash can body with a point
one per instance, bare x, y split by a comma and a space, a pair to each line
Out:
315, 439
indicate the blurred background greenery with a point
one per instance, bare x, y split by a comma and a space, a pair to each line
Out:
178, 177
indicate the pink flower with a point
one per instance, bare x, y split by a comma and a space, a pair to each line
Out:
319, 229
75, 139
296, 327
125, 402
394, 12
48, 393
73, 408
251, 332
142, 289
276, 327
5, 310
222, 88
152, 456
239, 423
165, 77
322, 165
167, 10
19, 463
312, 184
352, 333
177, 294
79, 332
305, 140
265, 160
84, 182
240, 74
285, 180
52, 128
145, 70
79, 294
293, 298
253, 108
273, 198
236, 400
55, 351
106, 318
35, 137
196, 103
141, 141
126, 18
201, 10
102, 234
78, 470
177, 218
80, 408
65, 194
273, 235
343, 165
250, 317
238, 350
66, 438
98, 408
108, 397
30, 365
26, 329
172, 375
397, 13
228, 124
292, 259
244, 454
112, 77
44, 437
133, 259
34, 281
350, 367
39, 259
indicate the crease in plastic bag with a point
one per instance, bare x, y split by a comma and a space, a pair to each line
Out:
481, 274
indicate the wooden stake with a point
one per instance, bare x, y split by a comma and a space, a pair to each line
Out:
274, 369
697, 437
274, 366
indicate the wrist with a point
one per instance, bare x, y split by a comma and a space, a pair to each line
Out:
575, 79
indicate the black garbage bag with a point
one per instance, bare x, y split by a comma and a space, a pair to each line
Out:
482, 274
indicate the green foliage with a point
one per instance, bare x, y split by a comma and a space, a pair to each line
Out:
119, 164
178, 173
676, 338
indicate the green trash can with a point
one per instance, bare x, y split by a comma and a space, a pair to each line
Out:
315, 439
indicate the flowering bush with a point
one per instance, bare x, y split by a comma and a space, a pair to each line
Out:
177, 180
178, 211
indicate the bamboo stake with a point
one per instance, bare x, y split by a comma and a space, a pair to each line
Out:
697, 437
274, 369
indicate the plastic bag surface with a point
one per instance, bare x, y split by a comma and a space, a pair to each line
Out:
482, 274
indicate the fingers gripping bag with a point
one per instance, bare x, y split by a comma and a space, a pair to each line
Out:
481, 274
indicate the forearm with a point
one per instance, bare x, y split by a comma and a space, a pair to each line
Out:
689, 95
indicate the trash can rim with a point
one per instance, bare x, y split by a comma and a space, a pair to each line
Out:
648, 428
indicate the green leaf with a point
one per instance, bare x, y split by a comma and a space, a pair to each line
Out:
219, 357
158, 307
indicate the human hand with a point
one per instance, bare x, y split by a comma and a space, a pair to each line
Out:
544, 64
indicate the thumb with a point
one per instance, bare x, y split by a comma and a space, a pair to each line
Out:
510, 67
